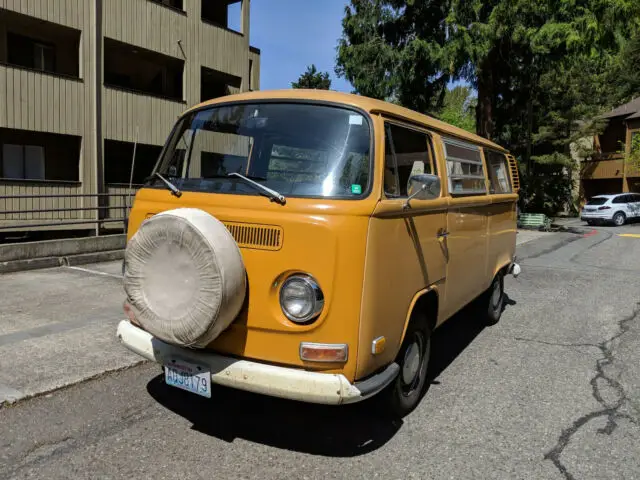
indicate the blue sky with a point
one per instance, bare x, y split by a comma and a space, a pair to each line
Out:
293, 34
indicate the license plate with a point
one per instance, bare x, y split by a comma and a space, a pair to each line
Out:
188, 376
589, 209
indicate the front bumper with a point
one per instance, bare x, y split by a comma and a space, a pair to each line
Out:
514, 268
290, 383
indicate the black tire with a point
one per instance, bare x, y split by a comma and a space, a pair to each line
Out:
590, 223
619, 219
492, 301
403, 395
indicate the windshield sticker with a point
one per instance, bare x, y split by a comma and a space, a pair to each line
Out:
355, 119
356, 189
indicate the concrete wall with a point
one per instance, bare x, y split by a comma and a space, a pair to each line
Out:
57, 248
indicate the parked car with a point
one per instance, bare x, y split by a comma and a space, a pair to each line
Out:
616, 209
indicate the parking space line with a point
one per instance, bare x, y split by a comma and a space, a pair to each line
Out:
630, 235
96, 272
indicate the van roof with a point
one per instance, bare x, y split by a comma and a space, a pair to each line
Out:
370, 105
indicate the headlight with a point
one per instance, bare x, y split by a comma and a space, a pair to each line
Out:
301, 298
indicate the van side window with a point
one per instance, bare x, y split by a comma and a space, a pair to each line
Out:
407, 152
497, 167
464, 168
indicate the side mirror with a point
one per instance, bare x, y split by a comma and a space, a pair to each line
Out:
422, 187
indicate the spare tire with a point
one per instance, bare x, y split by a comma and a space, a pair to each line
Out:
184, 277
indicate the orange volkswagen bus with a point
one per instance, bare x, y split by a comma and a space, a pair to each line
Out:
305, 244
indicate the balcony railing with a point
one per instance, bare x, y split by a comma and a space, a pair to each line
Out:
600, 157
108, 210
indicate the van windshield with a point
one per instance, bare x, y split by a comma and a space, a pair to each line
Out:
298, 150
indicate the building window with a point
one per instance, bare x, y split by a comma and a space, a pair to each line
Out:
464, 168
27, 155
408, 152
118, 159
175, 4
133, 68
214, 84
31, 53
498, 172
613, 138
223, 13
23, 162
32, 43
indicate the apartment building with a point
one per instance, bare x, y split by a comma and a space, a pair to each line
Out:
84, 81
609, 170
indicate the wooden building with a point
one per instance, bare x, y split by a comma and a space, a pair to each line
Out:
82, 81
607, 171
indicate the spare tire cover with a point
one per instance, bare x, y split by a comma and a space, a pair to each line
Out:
184, 277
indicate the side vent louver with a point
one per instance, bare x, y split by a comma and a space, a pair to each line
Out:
261, 237
515, 177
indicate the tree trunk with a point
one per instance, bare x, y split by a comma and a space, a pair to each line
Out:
486, 97
529, 151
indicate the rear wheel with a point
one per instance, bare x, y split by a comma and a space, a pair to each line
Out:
404, 394
619, 219
590, 222
492, 300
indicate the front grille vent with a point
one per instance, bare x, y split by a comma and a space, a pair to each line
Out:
261, 237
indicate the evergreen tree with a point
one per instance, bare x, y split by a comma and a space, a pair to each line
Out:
542, 69
313, 79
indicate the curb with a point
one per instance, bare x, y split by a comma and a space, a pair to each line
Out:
96, 257
52, 262
14, 401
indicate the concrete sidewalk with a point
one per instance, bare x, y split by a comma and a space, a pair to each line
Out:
525, 236
57, 327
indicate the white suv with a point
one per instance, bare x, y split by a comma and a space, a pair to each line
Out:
611, 208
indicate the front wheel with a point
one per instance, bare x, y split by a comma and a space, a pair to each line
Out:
619, 219
404, 393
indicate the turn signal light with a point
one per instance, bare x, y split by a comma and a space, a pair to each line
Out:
377, 346
323, 352
604, 208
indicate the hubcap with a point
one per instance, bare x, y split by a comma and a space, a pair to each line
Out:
411, 364
619, 220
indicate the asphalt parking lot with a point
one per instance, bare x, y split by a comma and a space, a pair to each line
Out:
552, 391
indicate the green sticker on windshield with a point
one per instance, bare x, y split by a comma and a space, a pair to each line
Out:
356, 189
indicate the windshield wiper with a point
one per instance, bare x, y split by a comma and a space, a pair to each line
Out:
174, 190
272, 194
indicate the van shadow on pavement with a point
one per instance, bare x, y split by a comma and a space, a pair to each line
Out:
335, 431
